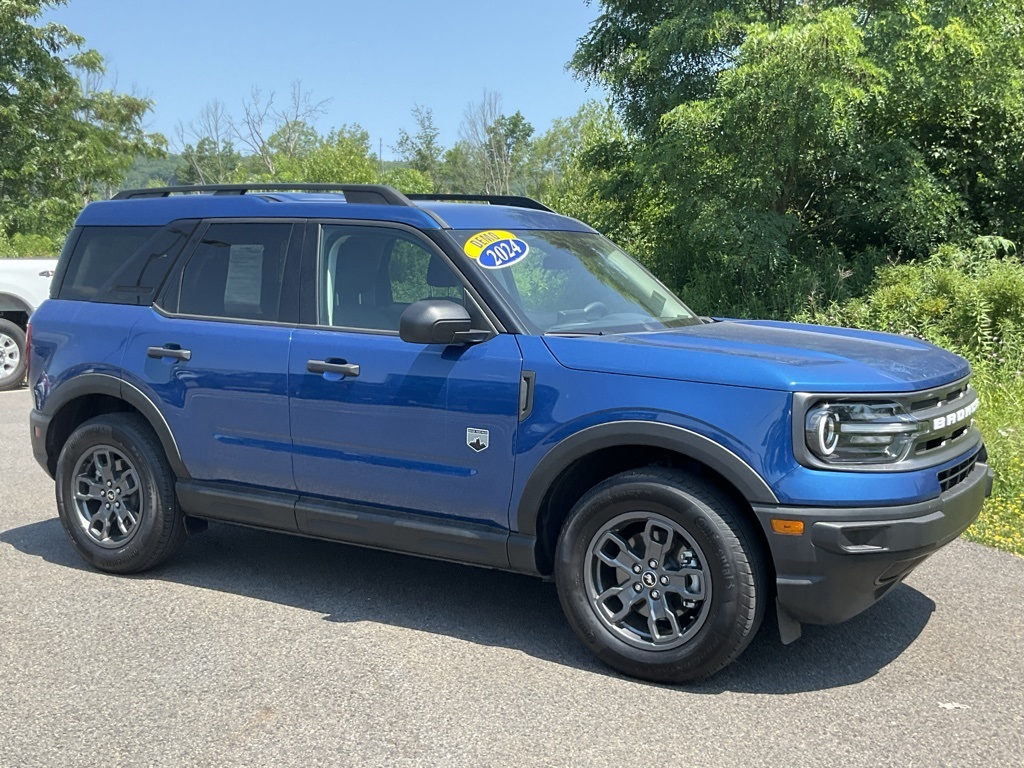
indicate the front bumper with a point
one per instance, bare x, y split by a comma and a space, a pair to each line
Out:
39, 425
849, 558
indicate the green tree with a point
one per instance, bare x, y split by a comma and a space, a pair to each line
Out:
784, 150
209, 162
507, 151
343, 156
653, 55
493, 151
600, 181
63, 141
460, 171
421, 150
274, 134
208, 154
551, 154
407, 180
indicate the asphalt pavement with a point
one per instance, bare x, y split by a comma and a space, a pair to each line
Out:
254, 648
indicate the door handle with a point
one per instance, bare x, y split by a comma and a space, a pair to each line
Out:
332, 366
169, 350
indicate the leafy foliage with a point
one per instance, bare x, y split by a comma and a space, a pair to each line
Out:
63, 139
209, 162
492, 153
421, 150
783, 151
600, 180
27, 246
342, 155
1001, 389
969, 300
655, 55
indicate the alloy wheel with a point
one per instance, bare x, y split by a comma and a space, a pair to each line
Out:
647, 581
107, 496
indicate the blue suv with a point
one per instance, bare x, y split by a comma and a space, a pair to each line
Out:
480, 379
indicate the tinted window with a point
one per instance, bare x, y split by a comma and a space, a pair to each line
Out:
137, 281
369, 276
237, 271
99, 252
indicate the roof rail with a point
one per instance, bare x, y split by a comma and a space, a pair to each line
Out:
378, 194
516, 200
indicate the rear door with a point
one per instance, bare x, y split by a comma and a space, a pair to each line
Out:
414, 429
212, 354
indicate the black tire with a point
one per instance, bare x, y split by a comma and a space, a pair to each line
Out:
717, 585
12, 355
115, 495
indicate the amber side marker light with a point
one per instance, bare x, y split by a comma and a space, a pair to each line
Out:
790, 527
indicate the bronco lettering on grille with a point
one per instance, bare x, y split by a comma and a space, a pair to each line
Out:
955, 417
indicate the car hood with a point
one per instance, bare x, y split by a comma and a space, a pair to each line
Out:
767, 355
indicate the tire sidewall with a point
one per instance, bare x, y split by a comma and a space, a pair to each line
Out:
152, 508
13, 380
714, 643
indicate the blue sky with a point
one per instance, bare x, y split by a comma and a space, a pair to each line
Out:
373, 60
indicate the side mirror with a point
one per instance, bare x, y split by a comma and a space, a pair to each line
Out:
437, 321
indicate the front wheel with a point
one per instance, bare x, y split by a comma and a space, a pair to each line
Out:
659, 576
12, 355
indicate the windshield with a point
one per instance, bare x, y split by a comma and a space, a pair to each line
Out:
572, 282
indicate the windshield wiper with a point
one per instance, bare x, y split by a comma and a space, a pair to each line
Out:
574, 333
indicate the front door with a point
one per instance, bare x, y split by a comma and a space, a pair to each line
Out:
409, 429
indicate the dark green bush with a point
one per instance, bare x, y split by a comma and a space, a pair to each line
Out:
967, 299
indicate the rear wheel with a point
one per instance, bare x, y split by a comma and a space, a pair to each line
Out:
12, 355
115, 495
658, 575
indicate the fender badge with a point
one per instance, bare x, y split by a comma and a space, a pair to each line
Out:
478, 439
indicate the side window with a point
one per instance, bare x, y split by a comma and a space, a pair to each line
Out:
138, 279
416, 274
99, 252
369, 276
237, 271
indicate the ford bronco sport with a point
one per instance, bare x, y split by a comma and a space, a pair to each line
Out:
485, 381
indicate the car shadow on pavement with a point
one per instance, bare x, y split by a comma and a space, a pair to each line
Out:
352, 584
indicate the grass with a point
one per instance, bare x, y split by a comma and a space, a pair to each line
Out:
1001, 418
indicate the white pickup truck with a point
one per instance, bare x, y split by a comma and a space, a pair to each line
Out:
24, 284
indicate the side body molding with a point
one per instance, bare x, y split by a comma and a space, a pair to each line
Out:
645, 433
105, 384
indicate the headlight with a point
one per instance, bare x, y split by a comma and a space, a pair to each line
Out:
860, 433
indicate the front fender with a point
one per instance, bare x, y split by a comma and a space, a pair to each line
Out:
646, 433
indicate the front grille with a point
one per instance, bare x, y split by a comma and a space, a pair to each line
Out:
935, 406
938, 442
948, 478
939, 397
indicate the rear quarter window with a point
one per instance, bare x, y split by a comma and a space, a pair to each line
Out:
99, 252
120, 265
